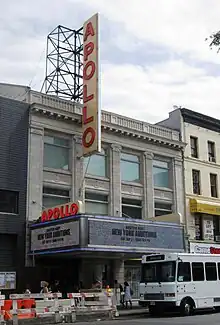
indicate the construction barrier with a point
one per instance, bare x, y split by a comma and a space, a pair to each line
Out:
27, 306
94, 302
23, 306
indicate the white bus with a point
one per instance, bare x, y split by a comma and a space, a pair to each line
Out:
180, 281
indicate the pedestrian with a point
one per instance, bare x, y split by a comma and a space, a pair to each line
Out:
127, 296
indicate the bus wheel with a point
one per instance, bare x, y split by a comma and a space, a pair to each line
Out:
186, 307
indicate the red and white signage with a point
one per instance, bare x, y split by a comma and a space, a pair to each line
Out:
91, 117
58, 212
200, 248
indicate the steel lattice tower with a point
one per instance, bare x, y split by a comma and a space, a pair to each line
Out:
64, 63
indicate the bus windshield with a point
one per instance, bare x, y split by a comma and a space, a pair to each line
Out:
158, 272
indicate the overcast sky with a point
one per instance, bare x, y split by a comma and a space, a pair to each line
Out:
153, 52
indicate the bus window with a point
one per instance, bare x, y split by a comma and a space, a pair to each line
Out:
211, 272
219, 271
158, 272
198, 271
184, 272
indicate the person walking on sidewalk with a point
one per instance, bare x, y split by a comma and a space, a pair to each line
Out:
127, 296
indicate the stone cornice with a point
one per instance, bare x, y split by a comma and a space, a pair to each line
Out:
111, 123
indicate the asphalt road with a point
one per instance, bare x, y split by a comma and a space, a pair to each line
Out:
210, 319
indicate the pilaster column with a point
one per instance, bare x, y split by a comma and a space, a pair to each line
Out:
148, 185
34, 182
77, 170
178, 187
35, 173
115, 180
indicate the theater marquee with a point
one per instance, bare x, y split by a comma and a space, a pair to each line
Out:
91, 117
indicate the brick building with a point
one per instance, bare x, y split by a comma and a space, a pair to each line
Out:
137, 177
14, 120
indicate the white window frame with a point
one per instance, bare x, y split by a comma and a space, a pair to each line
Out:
165, 210
55, 195
134, 162
168, 168
98, 201
63, 137
140, 207
103, 153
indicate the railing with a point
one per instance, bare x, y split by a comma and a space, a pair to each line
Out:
107, 117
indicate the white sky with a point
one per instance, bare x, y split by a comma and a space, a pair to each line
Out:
153, 52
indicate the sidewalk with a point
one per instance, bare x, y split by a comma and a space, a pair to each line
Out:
136, 310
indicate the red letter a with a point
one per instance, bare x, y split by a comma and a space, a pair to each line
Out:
89, 31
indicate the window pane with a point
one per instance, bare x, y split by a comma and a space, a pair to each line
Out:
52, 201
56, 141
96, 208
160, 163
129, 171
55, 191
96, 197
184, 272
56, 157
198, 271
131, 202
132, 212
219, 271
211, 271
128, 157
161, 177
8, 201
95, 165
163, 206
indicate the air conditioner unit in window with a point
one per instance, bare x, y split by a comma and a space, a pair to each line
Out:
217, 238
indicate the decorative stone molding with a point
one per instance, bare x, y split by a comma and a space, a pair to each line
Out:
148, 155
132, 189
116, 147
77, 139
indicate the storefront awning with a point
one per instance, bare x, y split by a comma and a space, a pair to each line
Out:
199, 206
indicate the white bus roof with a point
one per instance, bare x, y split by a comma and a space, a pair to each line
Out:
174, 256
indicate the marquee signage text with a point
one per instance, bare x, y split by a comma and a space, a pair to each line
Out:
59, 212
65, 234
53, 235
136, 233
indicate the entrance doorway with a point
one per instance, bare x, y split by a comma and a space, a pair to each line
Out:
133, 275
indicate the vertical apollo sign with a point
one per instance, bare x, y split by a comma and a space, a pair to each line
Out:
91, 117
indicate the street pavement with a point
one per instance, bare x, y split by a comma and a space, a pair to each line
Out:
202, 319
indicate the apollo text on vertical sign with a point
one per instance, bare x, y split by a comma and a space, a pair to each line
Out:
91, 120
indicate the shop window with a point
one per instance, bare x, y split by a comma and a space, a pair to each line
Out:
198, 227
211, 151
211, 272
184, 272
96, 203
161, 173
196, 182
194, 147
9, 201
130, 168
96, 164
53, 197
56, 152
161, 208
131, 208
198, 271
213, 185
